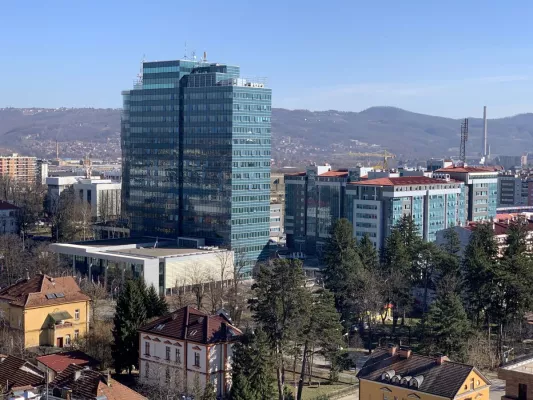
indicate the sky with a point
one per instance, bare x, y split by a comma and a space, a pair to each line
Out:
446, 58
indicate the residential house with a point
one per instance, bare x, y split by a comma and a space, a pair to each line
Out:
19, 379
185, 347
80, 383
8, 218
518, 377
46, 311
396, 373
54, 364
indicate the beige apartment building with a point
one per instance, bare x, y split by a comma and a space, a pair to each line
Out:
21, 168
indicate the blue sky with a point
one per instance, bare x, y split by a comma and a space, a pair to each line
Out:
443, 58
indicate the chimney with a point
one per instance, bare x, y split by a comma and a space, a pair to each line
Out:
441, 358
485, 153
77, 375
405, 352
393, 349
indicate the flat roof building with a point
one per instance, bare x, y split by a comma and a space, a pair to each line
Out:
166, 264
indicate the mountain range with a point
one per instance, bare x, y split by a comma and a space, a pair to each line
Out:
297, 135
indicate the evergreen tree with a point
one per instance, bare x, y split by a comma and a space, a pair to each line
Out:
253, 364
453, 244
241, 389
281, 308
209, 392
480, 268
156, 306
368, 253
321, 330
342, 262
447, 327
130, 315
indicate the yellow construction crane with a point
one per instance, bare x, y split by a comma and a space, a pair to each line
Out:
384, 164
384, 156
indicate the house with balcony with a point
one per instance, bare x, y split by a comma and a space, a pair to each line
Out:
46, 311
397, 373
186, 347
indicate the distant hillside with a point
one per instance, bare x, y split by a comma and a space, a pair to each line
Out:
298, 135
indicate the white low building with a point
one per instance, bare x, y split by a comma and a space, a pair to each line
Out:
161, 262
188, 348
103, 195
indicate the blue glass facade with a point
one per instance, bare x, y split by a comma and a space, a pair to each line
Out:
196, 156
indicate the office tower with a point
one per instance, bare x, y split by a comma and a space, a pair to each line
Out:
482, 189
20, 168
196, 156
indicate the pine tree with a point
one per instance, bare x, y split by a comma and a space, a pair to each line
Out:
281, 307
130, 315
368, 253
480, 267
253, 363
453, 244
156, 306
342, 262
241, 389
447, 327
209, 392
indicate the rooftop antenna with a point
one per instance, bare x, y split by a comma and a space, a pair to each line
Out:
140, 74
194, 55
464, 139
205, 57
185, 53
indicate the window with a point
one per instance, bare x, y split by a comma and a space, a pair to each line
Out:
67, 340
147, 371
76, 334
76, 314
167, 353
178, 356
196, 359
472, 384
146, 348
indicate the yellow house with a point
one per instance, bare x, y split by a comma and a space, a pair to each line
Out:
398, 374
46, 311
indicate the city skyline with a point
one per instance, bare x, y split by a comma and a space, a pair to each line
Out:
349, 57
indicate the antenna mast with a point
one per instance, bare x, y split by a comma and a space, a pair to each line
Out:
464, 139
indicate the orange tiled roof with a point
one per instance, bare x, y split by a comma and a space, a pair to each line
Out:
33, 292
337, 174
402, 181
60, 361
467, 169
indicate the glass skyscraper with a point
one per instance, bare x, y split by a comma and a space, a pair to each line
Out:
196, 156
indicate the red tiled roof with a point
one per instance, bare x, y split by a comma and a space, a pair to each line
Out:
188, 323
92, 384
60, 361
32, 292
338, 174
402, 181
467, 169
16, 372
4, 205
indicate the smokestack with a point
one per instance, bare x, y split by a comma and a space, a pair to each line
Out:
485, 153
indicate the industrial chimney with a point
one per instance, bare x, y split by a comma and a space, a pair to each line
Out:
485, 153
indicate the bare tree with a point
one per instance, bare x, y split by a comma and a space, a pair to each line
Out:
98, 294
197, 280
236, 299
12, 259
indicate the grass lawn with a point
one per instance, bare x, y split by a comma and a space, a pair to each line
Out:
311, 393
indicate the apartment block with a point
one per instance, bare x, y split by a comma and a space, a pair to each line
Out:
20, 168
